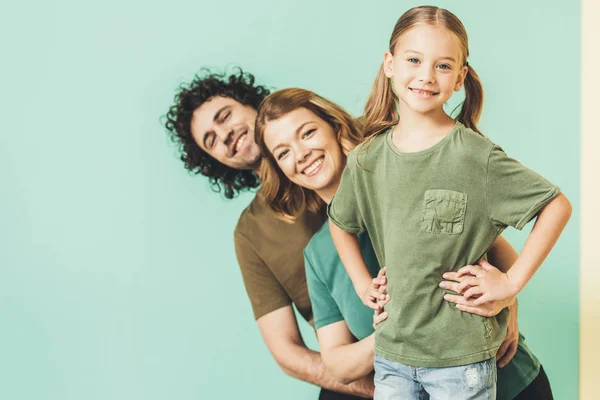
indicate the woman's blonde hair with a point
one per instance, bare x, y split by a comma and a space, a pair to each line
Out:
381, 112
286, 198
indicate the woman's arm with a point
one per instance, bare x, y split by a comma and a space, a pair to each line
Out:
351, 256
345, 358
282, 336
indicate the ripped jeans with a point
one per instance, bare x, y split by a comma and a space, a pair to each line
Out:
395, 381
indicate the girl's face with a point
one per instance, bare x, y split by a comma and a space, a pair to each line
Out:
427, 67
307, 151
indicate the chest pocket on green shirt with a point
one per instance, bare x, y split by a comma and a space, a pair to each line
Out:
443, 211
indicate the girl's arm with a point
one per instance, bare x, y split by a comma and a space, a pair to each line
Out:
351, 256
502, 255
492, 284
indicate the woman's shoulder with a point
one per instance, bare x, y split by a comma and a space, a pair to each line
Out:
367, 150
320, 243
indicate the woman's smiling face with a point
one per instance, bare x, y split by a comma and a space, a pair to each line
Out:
307, 150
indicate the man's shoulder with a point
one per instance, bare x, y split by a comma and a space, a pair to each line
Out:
256, 212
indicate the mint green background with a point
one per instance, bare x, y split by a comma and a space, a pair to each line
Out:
118, 277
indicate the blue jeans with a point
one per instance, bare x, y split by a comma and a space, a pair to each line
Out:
395, 381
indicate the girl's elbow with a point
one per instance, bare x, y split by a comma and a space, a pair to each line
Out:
566, 206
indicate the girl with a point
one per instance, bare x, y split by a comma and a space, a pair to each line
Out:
305, 140
433, 194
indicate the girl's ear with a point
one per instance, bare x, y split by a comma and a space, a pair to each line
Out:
388, 64
461, 78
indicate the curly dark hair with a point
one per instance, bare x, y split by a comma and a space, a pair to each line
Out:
238, 86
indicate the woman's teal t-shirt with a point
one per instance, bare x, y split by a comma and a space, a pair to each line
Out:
333, 299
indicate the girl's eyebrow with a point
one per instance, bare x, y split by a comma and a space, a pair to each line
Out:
418, 52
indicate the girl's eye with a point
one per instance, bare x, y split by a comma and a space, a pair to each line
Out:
413, 60
444, 66
226, 117
282, 154
308, 133
213, 139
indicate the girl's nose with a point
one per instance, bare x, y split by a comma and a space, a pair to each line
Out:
426, 74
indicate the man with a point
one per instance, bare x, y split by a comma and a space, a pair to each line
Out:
213, 123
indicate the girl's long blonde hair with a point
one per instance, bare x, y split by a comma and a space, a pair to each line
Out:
381, 112
286, 198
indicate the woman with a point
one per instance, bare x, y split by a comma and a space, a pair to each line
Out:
305, 139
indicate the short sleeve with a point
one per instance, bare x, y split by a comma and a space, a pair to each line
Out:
325, 309
265, 292
343, 209
515, 194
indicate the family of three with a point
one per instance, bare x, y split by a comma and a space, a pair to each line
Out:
383, 231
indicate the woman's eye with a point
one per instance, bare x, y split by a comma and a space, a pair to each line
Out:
308, 133
282, 154
225, 117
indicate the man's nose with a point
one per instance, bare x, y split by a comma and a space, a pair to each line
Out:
224, 133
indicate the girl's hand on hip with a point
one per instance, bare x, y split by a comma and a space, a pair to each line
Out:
488, 309
486, 283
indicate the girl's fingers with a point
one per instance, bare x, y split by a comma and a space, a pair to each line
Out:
473, 291
466, 283
483, 299
449, 285
469, 269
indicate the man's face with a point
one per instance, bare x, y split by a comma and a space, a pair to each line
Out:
224, 128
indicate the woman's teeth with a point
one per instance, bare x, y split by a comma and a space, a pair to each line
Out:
313, 167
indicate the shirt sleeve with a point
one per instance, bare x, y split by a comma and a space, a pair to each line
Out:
325, 309
515, 194
343, 209
265, 292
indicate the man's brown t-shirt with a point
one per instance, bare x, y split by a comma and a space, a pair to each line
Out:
269, 251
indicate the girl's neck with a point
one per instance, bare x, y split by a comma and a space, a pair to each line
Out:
416, 131
433, 123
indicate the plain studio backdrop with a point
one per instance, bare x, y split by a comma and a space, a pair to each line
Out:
118, 274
